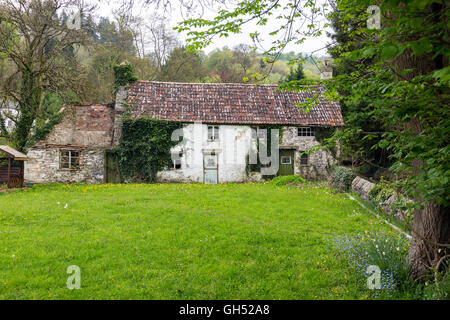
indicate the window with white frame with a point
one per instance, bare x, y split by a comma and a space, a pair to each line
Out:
306, 132
286, 160
176, 160
69, 159
213, 133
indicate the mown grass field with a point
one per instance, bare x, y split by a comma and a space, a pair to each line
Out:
248, 241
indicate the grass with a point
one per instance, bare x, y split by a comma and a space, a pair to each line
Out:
248, 241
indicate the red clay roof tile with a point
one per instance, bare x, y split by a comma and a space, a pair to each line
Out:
230, 104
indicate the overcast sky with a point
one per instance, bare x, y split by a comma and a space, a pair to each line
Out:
315, 45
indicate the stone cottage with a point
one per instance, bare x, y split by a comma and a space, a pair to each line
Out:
218, 140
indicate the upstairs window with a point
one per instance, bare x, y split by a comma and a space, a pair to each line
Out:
213, 133
306, 132
69, 159
176, 164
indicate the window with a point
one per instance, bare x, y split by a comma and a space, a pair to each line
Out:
286, 160
304, 160
69, 159
176, 164
306, 132
213, 133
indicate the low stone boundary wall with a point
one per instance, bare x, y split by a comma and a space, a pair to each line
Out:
362, 187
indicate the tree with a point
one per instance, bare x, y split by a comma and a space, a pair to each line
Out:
40, 48
221, 63
110, 46
363, 130
183, 66
408, 78
244, 57
296, 74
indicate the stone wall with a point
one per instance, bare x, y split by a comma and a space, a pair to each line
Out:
94, 128
233, 148
43, 167
83, 126
362, 187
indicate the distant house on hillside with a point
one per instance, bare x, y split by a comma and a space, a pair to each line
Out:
219, 133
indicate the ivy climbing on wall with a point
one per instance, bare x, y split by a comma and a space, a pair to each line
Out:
123, 75
42, 132
144, 148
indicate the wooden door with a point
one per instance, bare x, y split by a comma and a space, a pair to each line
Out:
286, 162
112, 173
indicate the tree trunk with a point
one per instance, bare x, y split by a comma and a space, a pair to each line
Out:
431, 230
431, 225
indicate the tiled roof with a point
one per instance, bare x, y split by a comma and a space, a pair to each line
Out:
230, 104
10, 152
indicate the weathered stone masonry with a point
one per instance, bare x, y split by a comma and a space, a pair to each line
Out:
87, 129
90, 130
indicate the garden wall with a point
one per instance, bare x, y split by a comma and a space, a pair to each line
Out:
384, 198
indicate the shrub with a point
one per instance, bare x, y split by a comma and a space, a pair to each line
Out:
438, 290
342, 178
282, 181
365, 170
384, 250
382, 191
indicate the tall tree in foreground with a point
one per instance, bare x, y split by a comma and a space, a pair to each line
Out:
409, 78
40, 49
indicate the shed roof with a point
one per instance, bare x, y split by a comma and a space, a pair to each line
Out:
13, 153
231, 103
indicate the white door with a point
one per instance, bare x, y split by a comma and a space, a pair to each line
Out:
211, 172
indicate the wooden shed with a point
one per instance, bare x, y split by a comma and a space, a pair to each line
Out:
12, 167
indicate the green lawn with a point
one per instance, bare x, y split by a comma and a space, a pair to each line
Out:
252, 241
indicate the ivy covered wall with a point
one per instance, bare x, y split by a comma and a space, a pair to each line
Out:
144, 148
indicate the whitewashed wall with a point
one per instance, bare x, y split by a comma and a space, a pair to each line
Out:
232, 149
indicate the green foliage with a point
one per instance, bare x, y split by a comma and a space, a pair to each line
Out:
342, 178
174, 231
287, 180
42, 132
144, 148
183, 66
404, 96
295, 74
388, 251
438, 289
123, 75
39, 63
380, 193
383, 191
324, 135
